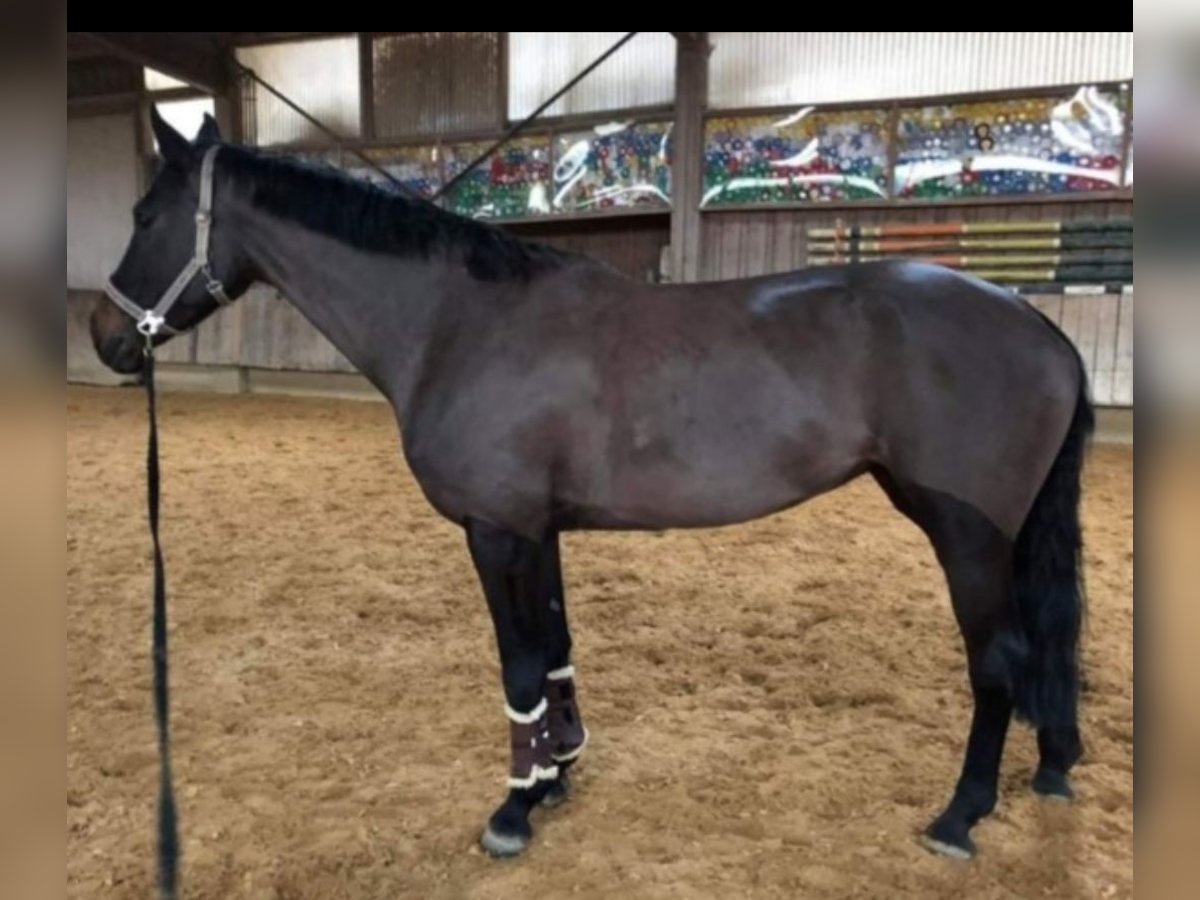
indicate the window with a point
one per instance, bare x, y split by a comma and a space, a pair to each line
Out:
321, 76
185, 116
436, 83
776, 68
157, 81
641, 73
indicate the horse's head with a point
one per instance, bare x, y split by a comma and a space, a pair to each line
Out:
163, 245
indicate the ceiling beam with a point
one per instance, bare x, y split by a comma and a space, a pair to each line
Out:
192, 57
250, 38
82, 46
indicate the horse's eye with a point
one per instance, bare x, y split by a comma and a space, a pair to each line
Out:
142, 218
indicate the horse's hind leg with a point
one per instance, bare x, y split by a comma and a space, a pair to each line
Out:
1058, 750
977, 559
510, 571
567, 734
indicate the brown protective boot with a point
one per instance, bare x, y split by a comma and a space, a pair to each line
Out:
532, 759
567, 734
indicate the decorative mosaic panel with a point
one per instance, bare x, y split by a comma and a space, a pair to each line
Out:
809, 156
318, 158
1029, 146
417, 168
513, 182
613, 166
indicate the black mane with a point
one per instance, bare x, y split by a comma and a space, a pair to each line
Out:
382, 220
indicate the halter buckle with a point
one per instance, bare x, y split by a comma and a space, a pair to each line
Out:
214, 287
150, 323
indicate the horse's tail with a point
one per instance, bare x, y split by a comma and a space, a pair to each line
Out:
1049, 583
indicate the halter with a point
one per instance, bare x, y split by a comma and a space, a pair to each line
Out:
151, 322
154, 321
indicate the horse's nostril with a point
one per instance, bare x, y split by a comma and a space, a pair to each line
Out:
121, 354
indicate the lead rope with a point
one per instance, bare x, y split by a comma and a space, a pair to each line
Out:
168, 828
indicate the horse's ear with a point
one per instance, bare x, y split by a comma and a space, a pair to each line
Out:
209, 133
172, 146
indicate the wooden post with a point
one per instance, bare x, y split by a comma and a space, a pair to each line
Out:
228, 110
366, 85
229, 105
502, 83
687, 175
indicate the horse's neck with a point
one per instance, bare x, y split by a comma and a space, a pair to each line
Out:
375, 308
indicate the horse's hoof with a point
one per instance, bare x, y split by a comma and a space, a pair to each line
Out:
947, 839
1053, 786
941, 848
558, 792
502, 846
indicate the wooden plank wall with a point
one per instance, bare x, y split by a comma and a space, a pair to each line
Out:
80, 356
1101, 327
632, 245
262, 330
743, 243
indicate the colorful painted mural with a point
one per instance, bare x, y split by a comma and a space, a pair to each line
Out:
513, 183
1040, 145
807, 156
418, 168
618, 165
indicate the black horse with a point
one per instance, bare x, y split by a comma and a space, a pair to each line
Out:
539, 391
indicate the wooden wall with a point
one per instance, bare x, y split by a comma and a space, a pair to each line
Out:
263, 331
102, 186
1101, 327
745, 242
630, 244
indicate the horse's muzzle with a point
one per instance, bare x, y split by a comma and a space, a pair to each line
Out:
117, 342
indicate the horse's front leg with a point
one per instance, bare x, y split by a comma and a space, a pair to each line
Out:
510, 571
567, 734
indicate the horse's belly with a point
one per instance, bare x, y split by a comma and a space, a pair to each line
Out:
720, 484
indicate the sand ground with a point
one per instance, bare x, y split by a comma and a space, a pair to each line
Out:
776, 709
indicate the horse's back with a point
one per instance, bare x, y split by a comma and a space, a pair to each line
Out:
948, 381
593, 401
